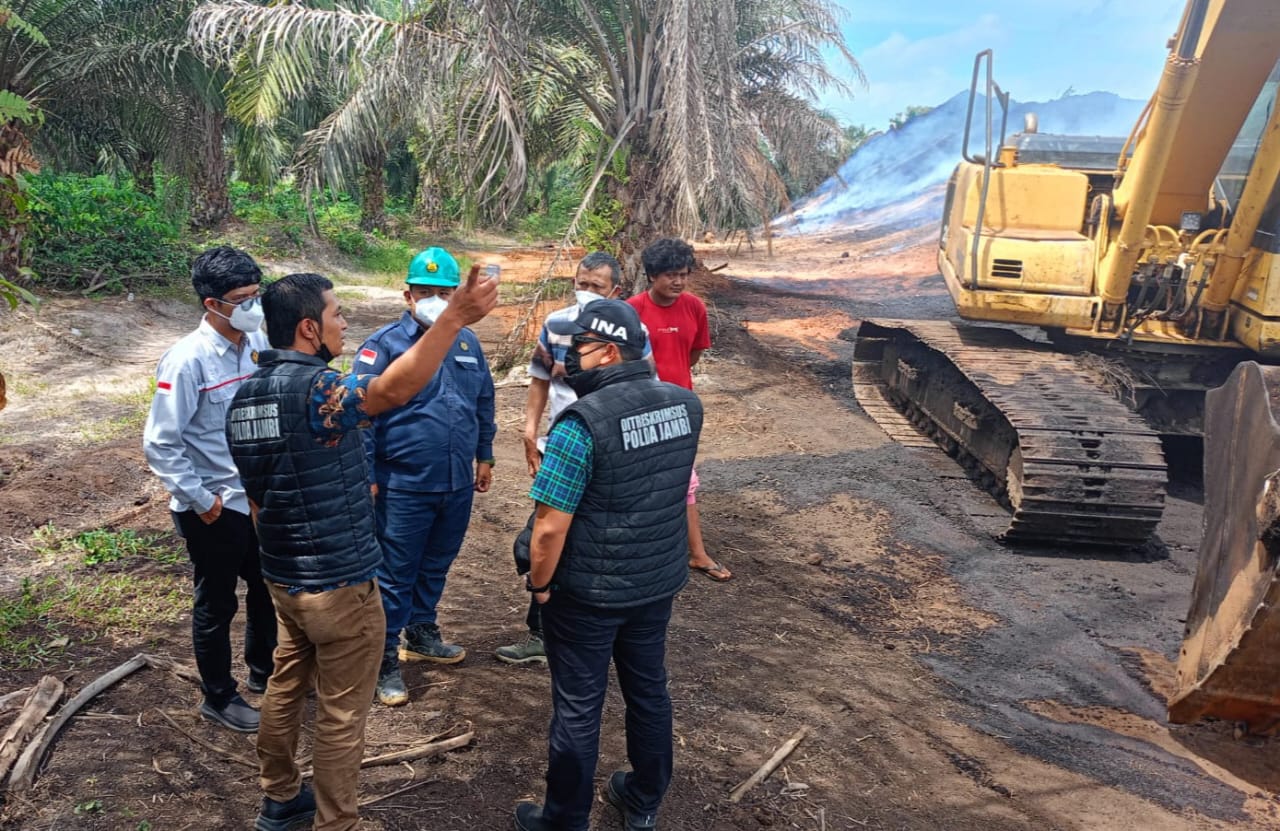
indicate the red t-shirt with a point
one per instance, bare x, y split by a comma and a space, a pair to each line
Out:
674, 331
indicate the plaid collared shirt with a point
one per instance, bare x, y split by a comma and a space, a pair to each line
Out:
566, 466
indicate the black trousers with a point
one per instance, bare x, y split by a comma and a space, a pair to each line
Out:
581, 641
533, 619
221, 554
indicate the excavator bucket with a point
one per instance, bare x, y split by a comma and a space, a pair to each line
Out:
1229, 667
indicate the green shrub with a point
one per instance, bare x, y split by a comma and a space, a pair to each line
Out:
90, 229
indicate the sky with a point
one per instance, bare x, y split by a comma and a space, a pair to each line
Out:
920, 52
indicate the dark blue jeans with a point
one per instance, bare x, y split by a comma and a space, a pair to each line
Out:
580, 641
222, 554
421, 534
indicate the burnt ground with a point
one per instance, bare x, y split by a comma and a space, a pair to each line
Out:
948, 682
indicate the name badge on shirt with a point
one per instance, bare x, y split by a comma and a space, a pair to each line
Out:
465, 359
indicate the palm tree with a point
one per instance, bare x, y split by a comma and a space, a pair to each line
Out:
698, 100
127, 84
22, 44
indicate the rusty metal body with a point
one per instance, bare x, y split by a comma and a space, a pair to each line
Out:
1229, 667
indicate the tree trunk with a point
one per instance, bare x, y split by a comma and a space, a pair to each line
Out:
211, 204
643, 218
427, 205
15, 159
373, 193
144, 172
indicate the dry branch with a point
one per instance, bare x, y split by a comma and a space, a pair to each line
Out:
13, 700
409, 754
764, 771
184, 671
24, 775
207, 745
374, 800
43, 698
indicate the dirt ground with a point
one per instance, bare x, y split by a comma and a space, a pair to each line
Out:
948, 682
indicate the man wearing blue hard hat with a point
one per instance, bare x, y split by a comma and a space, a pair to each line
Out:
426, 460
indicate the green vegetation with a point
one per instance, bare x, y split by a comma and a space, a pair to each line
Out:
92, 231
362, 126
908, 115
117, 581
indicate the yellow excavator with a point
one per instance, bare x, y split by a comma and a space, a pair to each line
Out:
1130, 276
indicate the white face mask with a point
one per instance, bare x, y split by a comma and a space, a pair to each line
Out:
585, 297
249, 320
245, 320
429, 308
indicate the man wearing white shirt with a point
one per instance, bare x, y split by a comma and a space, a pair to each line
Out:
186, 446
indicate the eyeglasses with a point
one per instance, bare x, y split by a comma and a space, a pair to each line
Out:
245, 303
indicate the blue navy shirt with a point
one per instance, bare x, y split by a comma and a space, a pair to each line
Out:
431, 444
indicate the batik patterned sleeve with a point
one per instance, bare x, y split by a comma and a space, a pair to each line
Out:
338, 405
566, 466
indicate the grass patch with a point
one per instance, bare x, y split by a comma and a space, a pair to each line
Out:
102, 546
137, 401
110, 429
386, 258
108, 582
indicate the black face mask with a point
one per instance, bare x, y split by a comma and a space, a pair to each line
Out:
324, 353
573, 362
581, 381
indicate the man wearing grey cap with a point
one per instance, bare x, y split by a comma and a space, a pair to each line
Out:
608, 555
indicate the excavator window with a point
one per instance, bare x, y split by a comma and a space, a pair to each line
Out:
1235, 168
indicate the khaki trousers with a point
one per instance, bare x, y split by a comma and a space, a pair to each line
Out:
336, 637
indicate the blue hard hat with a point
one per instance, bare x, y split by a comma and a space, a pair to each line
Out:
433, 267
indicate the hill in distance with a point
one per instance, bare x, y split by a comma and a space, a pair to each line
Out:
897, 179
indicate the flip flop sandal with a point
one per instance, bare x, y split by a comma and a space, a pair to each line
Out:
712, 570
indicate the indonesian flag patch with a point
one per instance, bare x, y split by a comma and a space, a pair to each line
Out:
164, 387
368, 356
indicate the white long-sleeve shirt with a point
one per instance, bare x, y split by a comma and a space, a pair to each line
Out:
185, 437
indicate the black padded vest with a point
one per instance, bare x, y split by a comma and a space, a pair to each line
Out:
315, 513
628, 543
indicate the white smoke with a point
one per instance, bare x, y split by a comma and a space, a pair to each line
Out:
897, 179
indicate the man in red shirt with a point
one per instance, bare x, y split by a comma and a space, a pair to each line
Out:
678, 334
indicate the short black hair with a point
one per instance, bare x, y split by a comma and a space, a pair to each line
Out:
223, 269
667, 254
600, 259
291, 300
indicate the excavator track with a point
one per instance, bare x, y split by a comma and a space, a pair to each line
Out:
1040, 431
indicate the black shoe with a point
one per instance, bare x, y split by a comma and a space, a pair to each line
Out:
529, 818
391, 690
422, 642
615, 792
256, 683
277, 816
235, 715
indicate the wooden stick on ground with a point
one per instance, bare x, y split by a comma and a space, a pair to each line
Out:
409, 754
24, 775
764, 771
374, 800
226, 754
184, 671
14, 700
44, 698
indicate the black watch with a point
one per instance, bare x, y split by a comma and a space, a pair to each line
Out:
531, 588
